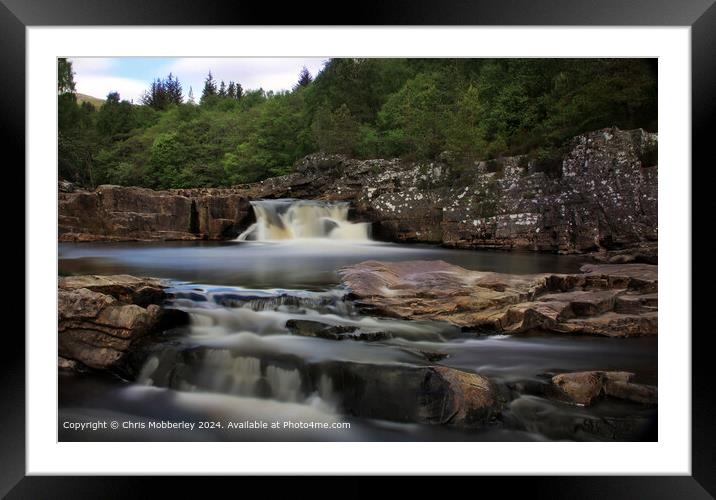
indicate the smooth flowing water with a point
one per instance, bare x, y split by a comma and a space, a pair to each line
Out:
238, 361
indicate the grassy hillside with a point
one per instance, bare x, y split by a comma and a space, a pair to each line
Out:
94, 101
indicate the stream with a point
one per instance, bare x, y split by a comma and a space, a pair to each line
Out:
238, 362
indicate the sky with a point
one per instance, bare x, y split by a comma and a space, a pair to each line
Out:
131, 76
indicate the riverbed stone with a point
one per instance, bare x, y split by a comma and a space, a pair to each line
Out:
309, 328
584, 388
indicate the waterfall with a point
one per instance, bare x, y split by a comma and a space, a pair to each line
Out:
289, 219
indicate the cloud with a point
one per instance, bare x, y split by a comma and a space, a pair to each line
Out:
100, 86
91, 65
97, 76
94, 76
265, 72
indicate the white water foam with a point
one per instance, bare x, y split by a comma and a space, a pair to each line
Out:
288, 219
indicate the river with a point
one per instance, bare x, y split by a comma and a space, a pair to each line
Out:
238, 362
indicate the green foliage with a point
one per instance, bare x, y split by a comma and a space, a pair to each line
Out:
115, 118
477, 109
336, 131
65, 77
416, 118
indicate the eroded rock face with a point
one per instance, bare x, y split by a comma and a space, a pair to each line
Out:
611, 300
601, 198
118, 213
101, 317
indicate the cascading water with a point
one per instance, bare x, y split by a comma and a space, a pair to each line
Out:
289, 219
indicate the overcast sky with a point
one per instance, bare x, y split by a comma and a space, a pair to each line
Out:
131, 76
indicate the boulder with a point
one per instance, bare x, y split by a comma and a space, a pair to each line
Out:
583, 388
429, 395
100, 318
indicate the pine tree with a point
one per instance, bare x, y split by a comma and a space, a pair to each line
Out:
191, 96
231, 90
222, 89
209, 88
158, 95
173, 90
239, 90
304, 78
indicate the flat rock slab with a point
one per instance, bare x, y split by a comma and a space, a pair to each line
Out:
123, 287
586, 303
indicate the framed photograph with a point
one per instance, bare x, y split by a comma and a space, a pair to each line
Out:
273, 243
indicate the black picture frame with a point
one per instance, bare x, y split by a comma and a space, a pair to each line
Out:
700, 15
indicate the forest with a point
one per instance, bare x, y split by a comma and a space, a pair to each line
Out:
416, 109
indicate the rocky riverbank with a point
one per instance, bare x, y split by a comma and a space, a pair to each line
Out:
601, 197
102, 319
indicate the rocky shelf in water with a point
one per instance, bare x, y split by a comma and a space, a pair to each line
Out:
614, 300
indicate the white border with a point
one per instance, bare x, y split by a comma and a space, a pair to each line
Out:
670, 455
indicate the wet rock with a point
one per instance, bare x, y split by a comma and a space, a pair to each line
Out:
636, 303
553, 420
638, 393
430, 395
583, 388
123, 287
585, 302
435, 290
101, 317
67, 364
309, 328
607, 300
613, 324
398, 392
639, 277
432, 356
472, 399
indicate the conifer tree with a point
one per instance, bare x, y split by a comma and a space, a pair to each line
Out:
304, 78
209, 88
173, 90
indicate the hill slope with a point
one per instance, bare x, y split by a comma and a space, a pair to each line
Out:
95, 101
